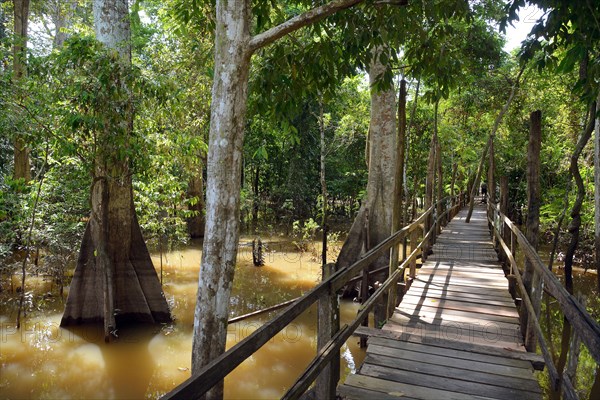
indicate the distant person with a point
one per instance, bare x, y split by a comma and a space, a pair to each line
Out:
484, 192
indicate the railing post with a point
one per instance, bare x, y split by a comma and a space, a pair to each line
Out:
328, 324
413, 263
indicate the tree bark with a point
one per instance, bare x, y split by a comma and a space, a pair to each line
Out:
491, 178
323, 184
21, 21
228, 110
114, 279
531, 279
62, 19
576, 210
381, 175
429, 192
195, 224
397, 211
439, 167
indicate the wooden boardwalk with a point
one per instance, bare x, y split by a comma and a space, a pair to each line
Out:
456, 333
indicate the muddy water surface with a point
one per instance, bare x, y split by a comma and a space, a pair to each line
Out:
45, 361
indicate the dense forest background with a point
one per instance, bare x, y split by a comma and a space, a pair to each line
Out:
56, 106
78, 113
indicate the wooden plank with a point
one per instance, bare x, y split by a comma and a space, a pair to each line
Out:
438, 294
520, 367
489, 330
489, 374
452, 334
519, 354
448, 304
453, 385
416, 309
495, 292
400, 389
453, 315
359, 393
469, 282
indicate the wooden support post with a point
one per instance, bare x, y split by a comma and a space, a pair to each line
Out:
440, 185
364, 295
328, 325
414, 237
531, 279
505, 232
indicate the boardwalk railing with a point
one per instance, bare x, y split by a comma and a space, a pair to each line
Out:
585, 327
325, 365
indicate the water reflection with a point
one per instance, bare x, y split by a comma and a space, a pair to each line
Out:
45, 361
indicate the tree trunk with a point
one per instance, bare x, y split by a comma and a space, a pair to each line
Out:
504, 204
323, 184
21, 20
233, 49
114, 279
576, 210
228, 110
531, 279
62, 19
397, 211
597, 191
381, 175
256, 198
195, 224
429, 189
491, 178
400, 152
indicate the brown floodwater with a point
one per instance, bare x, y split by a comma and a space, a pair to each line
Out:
43, 360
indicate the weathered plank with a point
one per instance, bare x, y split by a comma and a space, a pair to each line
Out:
454, 385
399, 389
536, 360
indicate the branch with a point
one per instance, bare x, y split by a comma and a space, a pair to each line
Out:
309, 17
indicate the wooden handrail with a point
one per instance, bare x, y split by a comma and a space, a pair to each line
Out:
215, 371
586, 326
554, 375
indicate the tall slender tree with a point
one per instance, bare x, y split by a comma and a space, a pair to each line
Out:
234, 47
21, 22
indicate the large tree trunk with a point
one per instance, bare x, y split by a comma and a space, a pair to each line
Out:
21, 18
531, 279
115, 279
382, 165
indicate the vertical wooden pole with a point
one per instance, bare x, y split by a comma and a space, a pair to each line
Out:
328, 325
491, 175
531, 279
440, 184
505, 232
452, 183
364, 284
413, 244
398, 191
